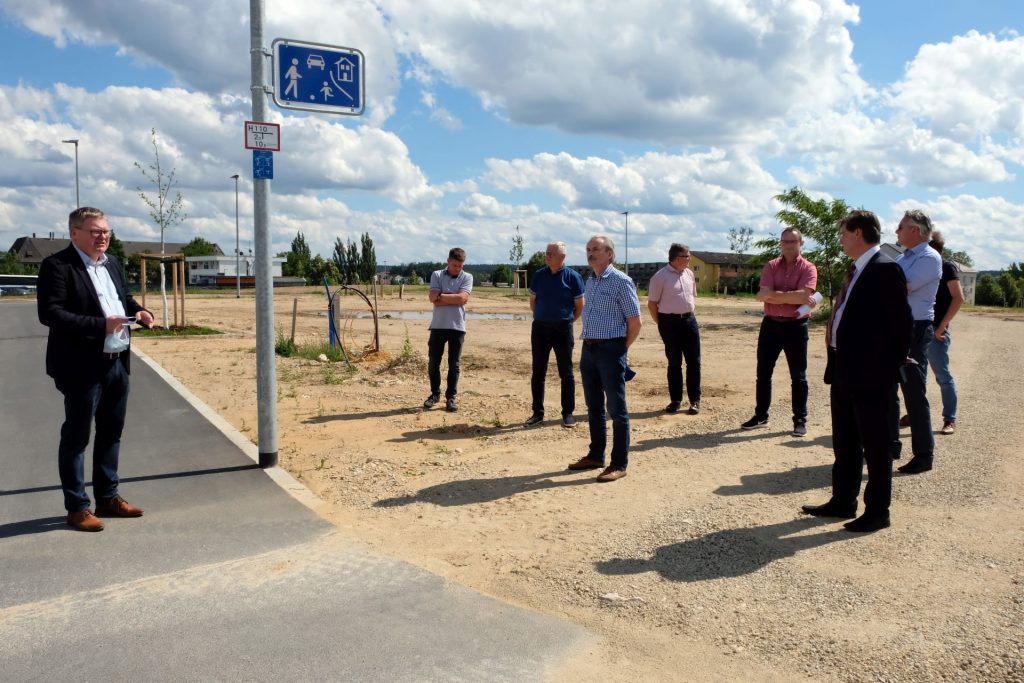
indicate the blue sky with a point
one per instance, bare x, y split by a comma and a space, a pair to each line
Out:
689, 115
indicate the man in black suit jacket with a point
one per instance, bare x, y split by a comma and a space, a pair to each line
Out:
868, 342
82, 298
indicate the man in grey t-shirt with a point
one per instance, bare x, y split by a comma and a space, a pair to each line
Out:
449, 291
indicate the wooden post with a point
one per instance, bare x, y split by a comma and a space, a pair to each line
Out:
182, 264
401, 290
295, 312
174, 290
142, 267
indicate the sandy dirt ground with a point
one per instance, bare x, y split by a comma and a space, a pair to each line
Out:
698, 565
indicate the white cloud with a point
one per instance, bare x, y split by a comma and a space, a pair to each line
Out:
704, 72
987, 228
717, 185
479, 205
205, 45
879, 151
968, 87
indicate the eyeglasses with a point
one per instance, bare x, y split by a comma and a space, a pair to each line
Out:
97, 233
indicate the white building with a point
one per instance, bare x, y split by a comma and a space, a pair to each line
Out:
205, 270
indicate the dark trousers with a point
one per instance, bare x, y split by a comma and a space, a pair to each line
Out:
545, 337
915, 385
860, 435
106, 402
603, 373
435, 351
775, 338
682, 341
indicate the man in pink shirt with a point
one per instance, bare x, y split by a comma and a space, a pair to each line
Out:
671, 297
787, 283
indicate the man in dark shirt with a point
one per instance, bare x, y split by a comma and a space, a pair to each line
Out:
948, 300
556, 299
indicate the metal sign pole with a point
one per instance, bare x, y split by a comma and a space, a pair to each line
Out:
266, 377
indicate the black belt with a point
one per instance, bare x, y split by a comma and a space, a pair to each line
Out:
682, 316
595, 342
784, 319
113, 356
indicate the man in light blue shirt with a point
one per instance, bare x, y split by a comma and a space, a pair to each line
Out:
922, 266
611, 323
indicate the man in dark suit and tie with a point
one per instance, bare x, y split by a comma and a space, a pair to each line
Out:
82, 298
868, 340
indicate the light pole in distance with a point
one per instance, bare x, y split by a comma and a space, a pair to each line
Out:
238, 271
78, 201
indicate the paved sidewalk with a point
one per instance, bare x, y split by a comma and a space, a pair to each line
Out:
228, 576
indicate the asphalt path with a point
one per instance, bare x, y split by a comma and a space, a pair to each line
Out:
230, 575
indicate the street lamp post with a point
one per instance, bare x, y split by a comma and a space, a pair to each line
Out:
238, 270
78, 201
626, 214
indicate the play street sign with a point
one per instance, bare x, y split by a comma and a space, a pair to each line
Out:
262, 165
259, 135
316, 77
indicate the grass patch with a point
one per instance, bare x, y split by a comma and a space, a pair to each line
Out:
175, 331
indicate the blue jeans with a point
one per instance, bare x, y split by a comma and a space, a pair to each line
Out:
775, 338
603, 371
938, 359
106, 401
435, 351
545, 337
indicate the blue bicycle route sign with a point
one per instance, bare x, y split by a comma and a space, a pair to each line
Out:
316, 77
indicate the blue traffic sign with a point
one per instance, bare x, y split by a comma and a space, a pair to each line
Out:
315, 77
262, 165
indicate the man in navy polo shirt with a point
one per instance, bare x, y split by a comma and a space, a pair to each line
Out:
556, 299
611, 323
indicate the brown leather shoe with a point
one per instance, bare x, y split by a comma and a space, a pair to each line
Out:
117, 507
611, 474
84, 520
948, 427
586, 463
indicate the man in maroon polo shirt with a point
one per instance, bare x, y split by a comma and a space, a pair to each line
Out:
787, 283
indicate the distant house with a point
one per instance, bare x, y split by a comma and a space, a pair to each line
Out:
968, 275
32, 250
206, 270
710, 268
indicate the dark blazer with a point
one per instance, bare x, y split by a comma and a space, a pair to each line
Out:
873, 338
68, 305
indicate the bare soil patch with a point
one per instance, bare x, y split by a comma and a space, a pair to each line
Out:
697, 566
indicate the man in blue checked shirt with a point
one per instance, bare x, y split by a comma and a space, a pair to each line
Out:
923, 267
611, 323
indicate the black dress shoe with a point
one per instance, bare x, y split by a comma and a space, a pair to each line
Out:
830, 509
534, 419
672, 407
917, 465
864, 524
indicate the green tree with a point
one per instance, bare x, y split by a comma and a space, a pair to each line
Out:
319, 267
816, 219
740, 239
340, 258
535, 263
988, 292
199, 246
1015, 269
1011, 290
958, 256
367, 259
515, 254
297, 262
502, 274
414, 278
165, 211
10, 264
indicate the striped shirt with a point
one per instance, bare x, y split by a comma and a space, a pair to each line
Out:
609, 300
